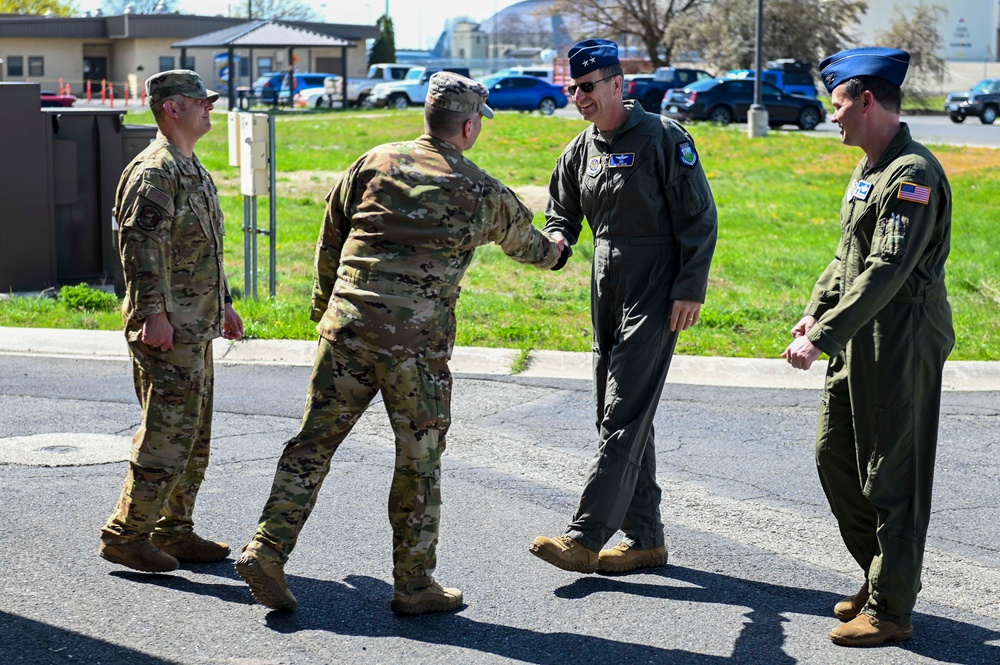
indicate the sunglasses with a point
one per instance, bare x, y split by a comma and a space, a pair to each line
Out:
587, 87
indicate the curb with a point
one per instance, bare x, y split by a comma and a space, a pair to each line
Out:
478, 361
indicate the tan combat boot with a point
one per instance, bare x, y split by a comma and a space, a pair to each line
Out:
850, 607
266, 580
867, 631
432, 598
189, 546
623, 558
138, 554
564, 552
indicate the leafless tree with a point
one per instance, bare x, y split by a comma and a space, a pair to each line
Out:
116, 7
724, 30
650, 21
290, 10
917, 33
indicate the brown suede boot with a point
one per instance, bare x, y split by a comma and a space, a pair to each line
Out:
138, 554
189, 546
623, 558
850, 607
430, 598
867, 631
266, 580
564, 552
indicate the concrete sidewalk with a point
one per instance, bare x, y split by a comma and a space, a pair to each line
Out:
478, 361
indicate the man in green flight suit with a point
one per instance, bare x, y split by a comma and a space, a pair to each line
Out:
176, 302
638, 180
880, 311
400, 230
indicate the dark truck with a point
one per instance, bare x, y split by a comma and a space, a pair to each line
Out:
982, 101
649, 89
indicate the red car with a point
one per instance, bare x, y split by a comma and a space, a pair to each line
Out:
51, 99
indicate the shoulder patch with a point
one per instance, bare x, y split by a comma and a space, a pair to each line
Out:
149, 218
909, 191
686, 154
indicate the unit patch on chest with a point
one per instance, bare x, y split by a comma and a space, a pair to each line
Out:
594, 166
621, 160
862, 189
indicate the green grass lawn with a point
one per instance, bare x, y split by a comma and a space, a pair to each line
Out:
778, 201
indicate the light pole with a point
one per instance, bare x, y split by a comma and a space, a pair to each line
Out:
757, 115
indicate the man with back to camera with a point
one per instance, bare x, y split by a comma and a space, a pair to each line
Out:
176, 302
880, 311
638, 180
400, 230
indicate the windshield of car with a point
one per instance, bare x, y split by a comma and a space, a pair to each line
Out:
491, 81
986, 87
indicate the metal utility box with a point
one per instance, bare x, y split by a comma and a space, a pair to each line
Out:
57, 186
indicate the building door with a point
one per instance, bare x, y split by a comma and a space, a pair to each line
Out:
95, 68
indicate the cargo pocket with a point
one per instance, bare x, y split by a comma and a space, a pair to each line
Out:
890, 467
892, 243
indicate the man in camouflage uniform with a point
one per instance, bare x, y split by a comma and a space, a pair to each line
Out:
638, 180
880, 311
176, 302
400, 229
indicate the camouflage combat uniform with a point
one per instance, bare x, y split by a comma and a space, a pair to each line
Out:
170, 243
399, 233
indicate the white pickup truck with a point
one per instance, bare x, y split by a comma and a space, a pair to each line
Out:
359, 89
411, 91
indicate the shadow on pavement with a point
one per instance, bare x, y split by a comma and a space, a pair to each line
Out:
27, 641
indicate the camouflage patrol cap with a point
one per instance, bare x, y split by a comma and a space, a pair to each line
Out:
454, 92
177, 82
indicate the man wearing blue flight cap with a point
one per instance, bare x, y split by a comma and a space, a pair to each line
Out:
880, 311
639, 181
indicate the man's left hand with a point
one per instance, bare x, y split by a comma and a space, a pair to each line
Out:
801, 353
232, 327
684, 315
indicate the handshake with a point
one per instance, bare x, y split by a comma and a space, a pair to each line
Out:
565, 251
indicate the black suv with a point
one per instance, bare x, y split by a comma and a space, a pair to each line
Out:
983, 101
725, 100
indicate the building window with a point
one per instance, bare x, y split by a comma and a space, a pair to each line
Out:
36, 65
264, 66
189, 62
244, 66
166, 63
15, 65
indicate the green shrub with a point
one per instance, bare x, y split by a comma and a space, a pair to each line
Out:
86, 298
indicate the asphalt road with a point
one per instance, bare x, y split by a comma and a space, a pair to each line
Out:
756, 560
925, 128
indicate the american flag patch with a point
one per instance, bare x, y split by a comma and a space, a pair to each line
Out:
916, 193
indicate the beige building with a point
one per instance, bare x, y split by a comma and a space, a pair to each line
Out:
468, 41
126, 49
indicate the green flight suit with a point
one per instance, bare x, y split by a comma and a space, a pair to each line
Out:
647, 200
883, 317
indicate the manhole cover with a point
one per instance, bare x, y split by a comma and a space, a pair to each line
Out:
64, 449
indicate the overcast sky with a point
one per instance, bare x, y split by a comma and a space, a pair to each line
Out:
418, 23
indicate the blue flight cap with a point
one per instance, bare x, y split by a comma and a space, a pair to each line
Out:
591, 55
879, 61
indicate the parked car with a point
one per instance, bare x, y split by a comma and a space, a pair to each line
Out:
320, 98
302, 81
265, 88
524, 93
51, 100
797, 81
725, 100
411, 91
543, 72
358, 89
649, 89
982, 101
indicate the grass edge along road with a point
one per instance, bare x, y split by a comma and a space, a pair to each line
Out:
778, 199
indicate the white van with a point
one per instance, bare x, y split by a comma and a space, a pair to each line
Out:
538, 71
